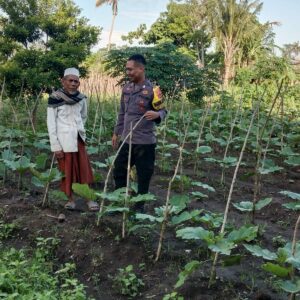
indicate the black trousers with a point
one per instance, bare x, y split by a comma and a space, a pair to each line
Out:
143, 157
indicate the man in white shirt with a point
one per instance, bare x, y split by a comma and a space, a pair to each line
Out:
66, 116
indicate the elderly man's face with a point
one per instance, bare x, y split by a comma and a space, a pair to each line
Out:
70, 83
135, 71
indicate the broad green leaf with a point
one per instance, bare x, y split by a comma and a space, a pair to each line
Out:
140, 198
230, 161
276, 269
212, 220
148, 217
84, 191
244, 206
99, 164
232, 260
179, 200
292, 205
204, 149
41, 160
287, 151
111, 209
198, 195
294, 260
195, 233
38, 183
185, 216
189, 268
243, 234
290, 194
265, 171
262, 203
248, 206
4, 144
260, 252
222, 246
293, 161
290, 286
203, 185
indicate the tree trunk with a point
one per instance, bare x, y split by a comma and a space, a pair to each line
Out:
111, 30
228, 63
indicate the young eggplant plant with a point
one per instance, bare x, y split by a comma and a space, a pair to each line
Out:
201, 128
110, 170
260, 135
213, 270
229, 140
166, 210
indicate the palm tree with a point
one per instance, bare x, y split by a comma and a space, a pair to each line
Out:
114, 4
231, 22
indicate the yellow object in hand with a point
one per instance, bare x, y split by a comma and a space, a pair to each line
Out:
157, 101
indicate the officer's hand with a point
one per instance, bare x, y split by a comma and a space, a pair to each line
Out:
59, 154
114, 141
152, 115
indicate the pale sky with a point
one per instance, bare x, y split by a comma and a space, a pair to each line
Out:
132, 13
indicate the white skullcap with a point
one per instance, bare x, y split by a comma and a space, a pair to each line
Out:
71, 71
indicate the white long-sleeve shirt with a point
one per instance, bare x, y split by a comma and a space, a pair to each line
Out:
64, 124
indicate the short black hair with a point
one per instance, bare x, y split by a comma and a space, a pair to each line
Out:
138, 58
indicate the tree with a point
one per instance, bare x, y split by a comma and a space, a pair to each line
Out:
114, 4
179, 25
39, 39
173, 70
232, 22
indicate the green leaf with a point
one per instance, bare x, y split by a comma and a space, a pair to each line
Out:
248, 206
265, 171
293, 161
290, 286
41, 160
195, 233
189, 268
232, 260
222, 246
276, 269
290, 194
111, 209
84, 191
262, 203
260, 252
198, 195
99, 164
292, 205
244, 206
179, 201
203, 185
148, 217
185, 216
243, 234
204, 149
140, 198
38, 183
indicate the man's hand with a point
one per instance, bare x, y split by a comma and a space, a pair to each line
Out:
152, 115
115, 141
59, 154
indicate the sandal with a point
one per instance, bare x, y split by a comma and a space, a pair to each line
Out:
93, 206
70, 206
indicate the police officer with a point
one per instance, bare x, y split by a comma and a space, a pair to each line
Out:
136, 102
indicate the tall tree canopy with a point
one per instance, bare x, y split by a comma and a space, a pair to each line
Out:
39, 39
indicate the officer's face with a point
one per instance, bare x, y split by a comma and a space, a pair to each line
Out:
135, 71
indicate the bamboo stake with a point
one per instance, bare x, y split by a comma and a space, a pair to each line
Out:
48, 183
127, 184
213, 270
166, 211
